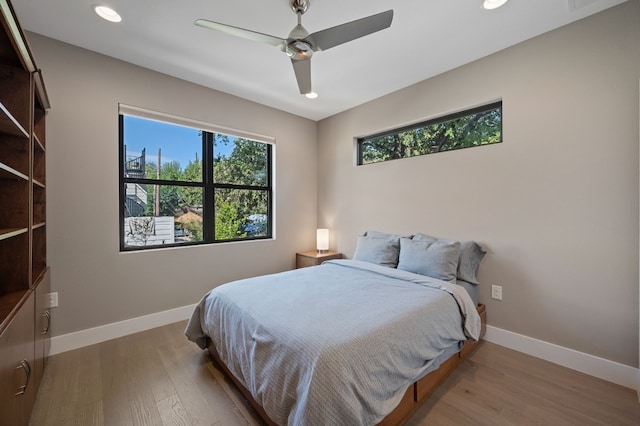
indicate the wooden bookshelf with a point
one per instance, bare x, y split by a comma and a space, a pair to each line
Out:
24, 275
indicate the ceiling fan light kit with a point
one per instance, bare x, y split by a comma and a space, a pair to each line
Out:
107, 13
300, 45
493, 4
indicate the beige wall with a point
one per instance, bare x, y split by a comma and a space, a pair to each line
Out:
556, 204
97, 285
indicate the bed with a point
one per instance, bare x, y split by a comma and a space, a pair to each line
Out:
347, 342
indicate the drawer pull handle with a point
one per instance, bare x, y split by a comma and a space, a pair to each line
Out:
27, 371
47, 316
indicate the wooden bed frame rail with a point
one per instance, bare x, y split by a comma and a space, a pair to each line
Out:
413, 397
420, 390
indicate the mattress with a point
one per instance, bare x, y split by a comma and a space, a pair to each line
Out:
334, 344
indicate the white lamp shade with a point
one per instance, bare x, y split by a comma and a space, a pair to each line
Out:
322, 239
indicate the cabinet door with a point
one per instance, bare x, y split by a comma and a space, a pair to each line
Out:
17, 391
42, 324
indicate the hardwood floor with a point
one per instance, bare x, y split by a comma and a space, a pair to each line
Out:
159, 378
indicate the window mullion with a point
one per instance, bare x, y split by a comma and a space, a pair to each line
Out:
208, 209
142, 181
235, 186
122, 190
270, 190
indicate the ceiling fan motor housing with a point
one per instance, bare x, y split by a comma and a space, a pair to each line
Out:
300, 6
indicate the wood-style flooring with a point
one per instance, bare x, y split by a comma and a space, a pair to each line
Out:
157, 378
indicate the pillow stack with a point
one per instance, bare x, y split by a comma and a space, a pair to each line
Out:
445, 260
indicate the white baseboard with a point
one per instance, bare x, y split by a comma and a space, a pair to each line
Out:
91, 336
610, 371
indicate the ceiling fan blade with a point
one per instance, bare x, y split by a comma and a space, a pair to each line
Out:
334, 36
241, 32
302, 68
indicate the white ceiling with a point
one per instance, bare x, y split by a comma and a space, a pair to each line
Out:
426, 38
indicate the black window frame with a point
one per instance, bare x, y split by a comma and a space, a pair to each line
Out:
208, 186
438, 120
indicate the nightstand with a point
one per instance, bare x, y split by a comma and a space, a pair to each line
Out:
313, 258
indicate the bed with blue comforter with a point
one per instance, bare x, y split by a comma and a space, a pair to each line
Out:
336, 344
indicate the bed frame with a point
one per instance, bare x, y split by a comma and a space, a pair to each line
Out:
413, 397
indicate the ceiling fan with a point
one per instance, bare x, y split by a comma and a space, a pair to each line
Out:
300, 45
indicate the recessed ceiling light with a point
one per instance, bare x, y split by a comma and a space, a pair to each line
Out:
493, 4
106, 13
311, 95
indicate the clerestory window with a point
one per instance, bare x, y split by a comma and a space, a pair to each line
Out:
473, 127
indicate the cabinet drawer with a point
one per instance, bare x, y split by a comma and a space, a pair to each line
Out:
16, 365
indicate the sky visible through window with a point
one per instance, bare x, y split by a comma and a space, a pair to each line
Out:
178, 143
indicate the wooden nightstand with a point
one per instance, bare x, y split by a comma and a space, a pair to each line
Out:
313, 258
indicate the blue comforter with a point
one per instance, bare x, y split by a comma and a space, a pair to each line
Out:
336, 344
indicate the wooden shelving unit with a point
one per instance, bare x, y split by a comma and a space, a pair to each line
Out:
38, 192
24, 275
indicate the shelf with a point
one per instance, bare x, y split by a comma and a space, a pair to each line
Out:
39, 124
38, 183
7, 172
9, 124
14, 153
14, 202
15, 101
39, 145
14, 261
39, 254
11, 232
10, 304
39, 204
37, 281
39, 225
39, 169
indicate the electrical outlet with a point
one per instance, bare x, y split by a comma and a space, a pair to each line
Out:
53, 300
496, 292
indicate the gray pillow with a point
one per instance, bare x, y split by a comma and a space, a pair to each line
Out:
376, 234
382, 251
424, 237
435, 259
471, 254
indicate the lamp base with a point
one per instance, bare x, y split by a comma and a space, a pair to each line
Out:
323, 251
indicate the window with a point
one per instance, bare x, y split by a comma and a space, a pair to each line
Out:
473, 127
189, 184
